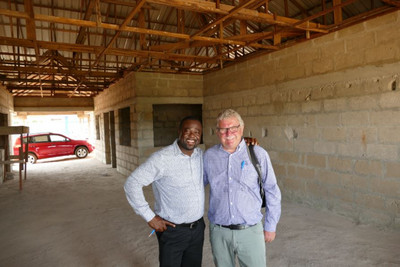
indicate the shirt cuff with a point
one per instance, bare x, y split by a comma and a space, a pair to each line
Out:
148, 215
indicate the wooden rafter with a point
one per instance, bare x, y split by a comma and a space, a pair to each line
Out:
50, 49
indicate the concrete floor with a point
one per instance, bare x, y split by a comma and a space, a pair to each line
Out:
74, 213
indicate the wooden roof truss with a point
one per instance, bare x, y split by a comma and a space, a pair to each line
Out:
79, 48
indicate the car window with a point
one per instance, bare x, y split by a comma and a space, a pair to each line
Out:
39, 139
58, 138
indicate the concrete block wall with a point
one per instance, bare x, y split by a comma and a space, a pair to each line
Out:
140, 91
328, 112
158, 88
6, 101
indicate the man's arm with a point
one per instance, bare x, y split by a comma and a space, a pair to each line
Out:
142, 176
273, 200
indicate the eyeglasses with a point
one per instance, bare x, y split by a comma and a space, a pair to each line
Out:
232, 129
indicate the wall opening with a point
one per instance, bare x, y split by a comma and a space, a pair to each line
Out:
97, 122
166, 119
124, 115
394, 86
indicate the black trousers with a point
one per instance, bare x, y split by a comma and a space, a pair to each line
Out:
181, 246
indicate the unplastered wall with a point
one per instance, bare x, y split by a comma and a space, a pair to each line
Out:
119, 95
140, 91
159, 88
328, 112
6, 101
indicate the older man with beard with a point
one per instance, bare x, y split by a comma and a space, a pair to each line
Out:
175, 173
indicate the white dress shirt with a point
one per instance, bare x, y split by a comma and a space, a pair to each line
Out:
177, 181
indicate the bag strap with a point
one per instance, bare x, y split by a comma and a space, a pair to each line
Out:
256, 164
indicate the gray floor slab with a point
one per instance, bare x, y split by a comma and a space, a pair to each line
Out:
74, 213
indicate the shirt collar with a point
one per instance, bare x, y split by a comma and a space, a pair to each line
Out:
178, 151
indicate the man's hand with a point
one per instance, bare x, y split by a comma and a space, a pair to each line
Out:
159, 224
251, 141
269, 236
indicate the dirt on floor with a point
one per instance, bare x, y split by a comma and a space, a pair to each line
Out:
73, 212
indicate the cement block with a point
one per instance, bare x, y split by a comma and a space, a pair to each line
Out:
327, 148
392, 170
341, 193
289, 157
328, 120
311, 106
360, 42
323, 65
390, 100
386, 187
363, 103
328, 177
389, 135
334, 134
369, 168
389, 52
370, 201
382, 152
340, 164
315, 160
331, 105
385, 117
356, 118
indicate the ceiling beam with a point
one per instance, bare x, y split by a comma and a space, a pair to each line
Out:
58, 71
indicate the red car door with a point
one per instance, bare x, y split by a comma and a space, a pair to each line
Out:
62, 145
42, 146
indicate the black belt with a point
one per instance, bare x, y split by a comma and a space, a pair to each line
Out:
190, 225
236, 226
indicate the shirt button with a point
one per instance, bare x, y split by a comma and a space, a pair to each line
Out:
231, 203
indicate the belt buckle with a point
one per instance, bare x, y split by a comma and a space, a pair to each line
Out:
192, 225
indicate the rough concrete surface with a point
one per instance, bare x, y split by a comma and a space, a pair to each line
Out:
73, 212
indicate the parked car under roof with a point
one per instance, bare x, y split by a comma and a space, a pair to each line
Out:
48, 145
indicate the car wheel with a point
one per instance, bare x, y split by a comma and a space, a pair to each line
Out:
32, 158
81, 152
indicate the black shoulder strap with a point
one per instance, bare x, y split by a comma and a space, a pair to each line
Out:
254, 160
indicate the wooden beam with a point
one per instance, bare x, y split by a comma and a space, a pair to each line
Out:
395, 3
141, 30
128, 19
231, 13
243, 13
31, 32
98, 49
80, 39
58, 71
19, 81
337, 13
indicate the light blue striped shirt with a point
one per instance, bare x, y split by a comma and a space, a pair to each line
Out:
177, 185
234, 190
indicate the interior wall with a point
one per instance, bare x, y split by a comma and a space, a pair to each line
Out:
140, 91
6, 101
6, 107
328, 112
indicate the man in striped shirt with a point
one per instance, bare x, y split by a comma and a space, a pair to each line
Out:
176, 175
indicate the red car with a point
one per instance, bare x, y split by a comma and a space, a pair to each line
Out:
48, 145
